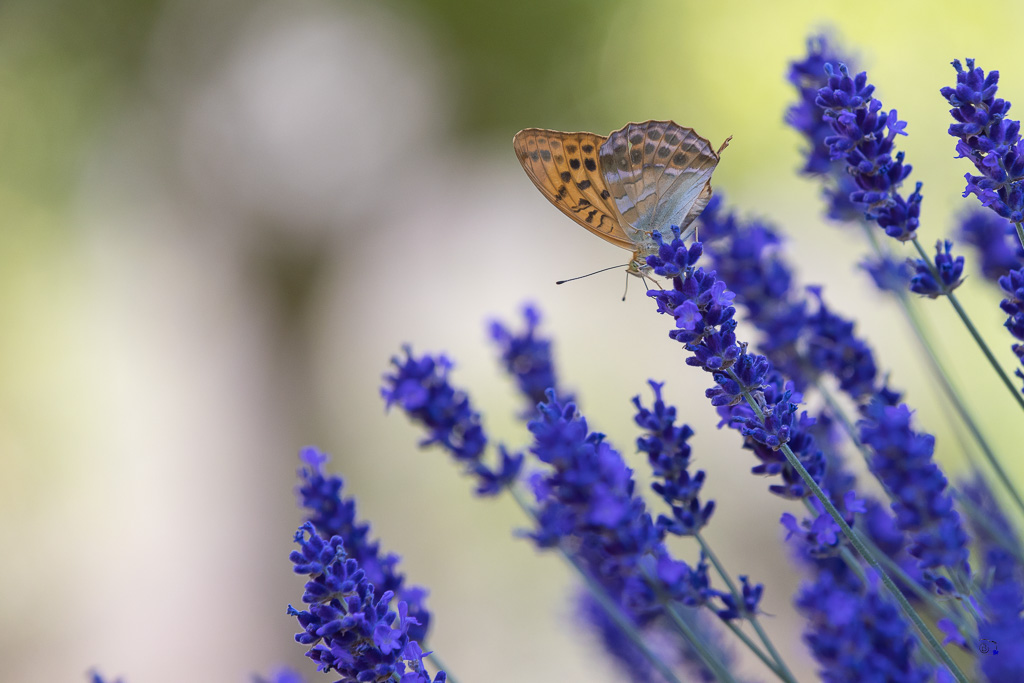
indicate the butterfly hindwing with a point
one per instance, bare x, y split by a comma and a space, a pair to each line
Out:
564, 167
658, 174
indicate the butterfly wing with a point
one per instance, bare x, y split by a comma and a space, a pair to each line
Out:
659, 174
564, 167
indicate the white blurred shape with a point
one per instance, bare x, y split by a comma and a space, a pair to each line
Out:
312, 116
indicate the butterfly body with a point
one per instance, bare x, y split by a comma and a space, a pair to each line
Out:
644, 177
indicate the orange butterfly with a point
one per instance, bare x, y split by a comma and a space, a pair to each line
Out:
645, 177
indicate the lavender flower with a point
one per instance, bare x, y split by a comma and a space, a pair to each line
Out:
808, 75
833, 346
587, 504
702, 308
855, 634
997, 532
349, 629
527, 358
667, 643
333, 515
998, 247
902, 460
821, 535
282, 675
669, 456
807, 345
746, 255
421, 388
989, 139
863, 137
800, 344
947, 268
95, 677
751, 598
1012, 285
1003, 624
888, 274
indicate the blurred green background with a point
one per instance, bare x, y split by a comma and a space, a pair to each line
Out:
220, 219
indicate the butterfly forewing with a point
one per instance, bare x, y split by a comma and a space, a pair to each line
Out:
564, 167
658, 174
645, 177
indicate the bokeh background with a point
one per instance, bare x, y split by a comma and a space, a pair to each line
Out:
220, 219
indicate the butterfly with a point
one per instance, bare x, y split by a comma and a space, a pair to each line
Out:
644, 177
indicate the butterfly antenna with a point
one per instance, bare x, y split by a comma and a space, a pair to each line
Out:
580, 277
626, 291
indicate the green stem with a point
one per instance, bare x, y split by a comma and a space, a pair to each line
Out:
940, 373
958, 406
977, 516
696, 642
754, 648
851, 561
856, 542
1020, 232
920, 591
782, 671
1017, 396
896, 570
610, 606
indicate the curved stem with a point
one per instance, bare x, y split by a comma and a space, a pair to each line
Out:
1017, 396
783, 671
941, 375
745, 639
976, 515
856, 542
696, 642
1020, 232
610, 606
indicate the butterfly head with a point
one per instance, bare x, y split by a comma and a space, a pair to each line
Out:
638, 266
648, 246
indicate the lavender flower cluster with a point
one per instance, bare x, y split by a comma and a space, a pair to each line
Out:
882, 571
